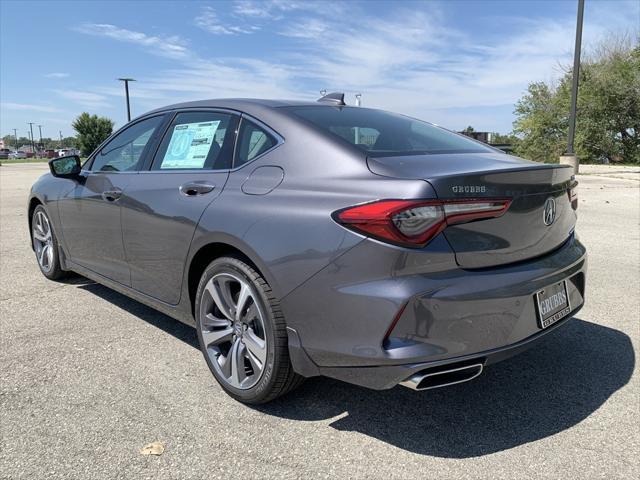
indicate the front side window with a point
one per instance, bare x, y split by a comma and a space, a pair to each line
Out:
124, 152
380, 133
197, 141
252, 142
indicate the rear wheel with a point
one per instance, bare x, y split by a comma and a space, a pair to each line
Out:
45, 245
242, 332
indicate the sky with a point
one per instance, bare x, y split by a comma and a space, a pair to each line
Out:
453, 63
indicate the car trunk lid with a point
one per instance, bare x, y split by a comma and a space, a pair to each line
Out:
524, 231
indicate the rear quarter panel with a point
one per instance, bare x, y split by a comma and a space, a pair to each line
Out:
288, 231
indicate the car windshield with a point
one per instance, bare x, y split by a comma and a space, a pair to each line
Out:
380, 133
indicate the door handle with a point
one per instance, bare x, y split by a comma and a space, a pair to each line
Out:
191, 189
111, 195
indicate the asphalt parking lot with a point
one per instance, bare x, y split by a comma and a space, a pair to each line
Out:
88, 377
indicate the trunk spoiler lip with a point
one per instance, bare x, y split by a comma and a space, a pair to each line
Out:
545, 178
481, 171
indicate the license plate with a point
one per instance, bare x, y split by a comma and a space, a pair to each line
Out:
552, 304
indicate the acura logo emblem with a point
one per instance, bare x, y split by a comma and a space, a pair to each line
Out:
549, 211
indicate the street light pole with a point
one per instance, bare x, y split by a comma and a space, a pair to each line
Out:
15, 135
41, 144
33, 145
126, 91
570, 157
576, 77
60, 132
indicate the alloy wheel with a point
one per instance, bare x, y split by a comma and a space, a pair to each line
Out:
43, 241
232, 328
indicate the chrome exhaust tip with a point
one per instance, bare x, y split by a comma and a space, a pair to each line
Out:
426, 380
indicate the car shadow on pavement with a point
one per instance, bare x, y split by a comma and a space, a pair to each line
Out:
159, 320
543, 391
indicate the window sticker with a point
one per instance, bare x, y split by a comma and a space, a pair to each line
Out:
189, 145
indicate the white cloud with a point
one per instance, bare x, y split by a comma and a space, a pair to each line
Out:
171, 46
35, 107
84, 98
276, 9
253, 9
56, 75
208, 20
243, 78
310, 28
414, 61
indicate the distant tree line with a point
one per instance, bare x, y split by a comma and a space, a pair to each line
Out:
47, 143
91, 131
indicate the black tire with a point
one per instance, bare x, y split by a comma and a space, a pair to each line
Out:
277, 377
52, 269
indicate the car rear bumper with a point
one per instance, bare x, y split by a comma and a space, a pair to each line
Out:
384, 377
401, 320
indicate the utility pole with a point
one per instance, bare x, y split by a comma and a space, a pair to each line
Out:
33, 146
60, 132
15, 135
41, 144
570, 157
126, 91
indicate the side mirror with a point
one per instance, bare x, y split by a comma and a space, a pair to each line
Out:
65, 167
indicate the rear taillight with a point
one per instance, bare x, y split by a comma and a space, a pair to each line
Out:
573, 195
412, 223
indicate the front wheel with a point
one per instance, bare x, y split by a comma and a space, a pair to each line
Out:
242, 332
45, 245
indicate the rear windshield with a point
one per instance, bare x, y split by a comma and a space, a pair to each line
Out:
380, 133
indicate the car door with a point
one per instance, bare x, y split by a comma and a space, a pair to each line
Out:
162, 207
90, 212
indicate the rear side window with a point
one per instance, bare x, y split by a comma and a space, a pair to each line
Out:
252, 142
124, 152
197, 141
380, 133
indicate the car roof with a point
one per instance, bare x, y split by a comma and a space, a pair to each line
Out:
241, 104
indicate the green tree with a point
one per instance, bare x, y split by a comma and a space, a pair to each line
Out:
510, 138
608, 117
92, 131
541, 123
69, 142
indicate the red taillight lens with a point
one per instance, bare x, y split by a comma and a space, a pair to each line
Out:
413, 223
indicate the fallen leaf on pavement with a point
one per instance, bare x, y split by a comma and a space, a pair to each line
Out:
155, 448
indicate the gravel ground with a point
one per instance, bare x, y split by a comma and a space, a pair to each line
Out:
88, 377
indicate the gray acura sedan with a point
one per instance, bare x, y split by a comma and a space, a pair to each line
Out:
315, 238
